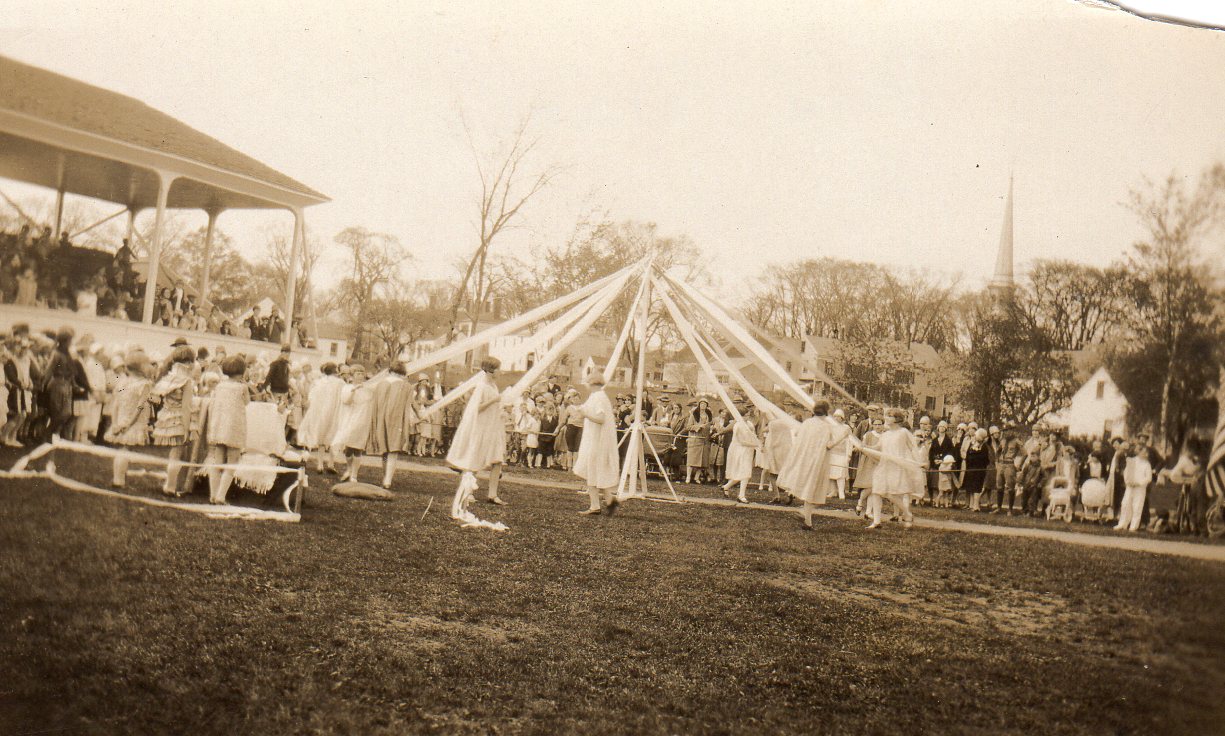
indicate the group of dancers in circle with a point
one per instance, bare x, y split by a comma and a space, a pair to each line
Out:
798, 454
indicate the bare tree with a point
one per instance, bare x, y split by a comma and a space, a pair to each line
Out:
278, 257
505, 189
399, 320
375, 261
1074, 304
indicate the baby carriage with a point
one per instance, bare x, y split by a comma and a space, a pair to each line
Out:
1095, 499
1060, 501
659, 438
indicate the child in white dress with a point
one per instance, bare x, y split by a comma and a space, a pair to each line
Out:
227, 427
129, 414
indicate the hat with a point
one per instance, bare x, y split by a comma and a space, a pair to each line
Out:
178, 341
948, 459
839, 413
961, 425
422, 377
116, 362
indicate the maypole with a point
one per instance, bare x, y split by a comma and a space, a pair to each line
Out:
634, 472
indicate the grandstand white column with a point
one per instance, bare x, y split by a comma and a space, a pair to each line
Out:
59, 196
164, 180
207, 265
295, 255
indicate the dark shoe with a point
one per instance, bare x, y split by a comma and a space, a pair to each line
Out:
613, 505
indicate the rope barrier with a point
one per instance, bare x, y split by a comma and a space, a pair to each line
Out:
219, 511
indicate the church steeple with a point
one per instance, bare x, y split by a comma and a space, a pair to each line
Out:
1002, 283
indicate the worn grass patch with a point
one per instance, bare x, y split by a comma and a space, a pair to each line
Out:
366, 618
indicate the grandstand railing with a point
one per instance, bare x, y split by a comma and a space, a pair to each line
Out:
153, 339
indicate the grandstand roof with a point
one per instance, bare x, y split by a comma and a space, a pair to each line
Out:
112, 144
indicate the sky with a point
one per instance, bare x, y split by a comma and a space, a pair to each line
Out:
877, 131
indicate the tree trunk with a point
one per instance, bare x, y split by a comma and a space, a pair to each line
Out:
1166, 390
476, 302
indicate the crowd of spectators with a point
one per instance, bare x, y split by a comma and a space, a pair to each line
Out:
41, 271
58, 384
1018, 471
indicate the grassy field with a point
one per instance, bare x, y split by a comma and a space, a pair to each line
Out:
368, 619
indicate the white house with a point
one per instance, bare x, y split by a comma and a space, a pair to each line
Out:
1097, 408
333, 342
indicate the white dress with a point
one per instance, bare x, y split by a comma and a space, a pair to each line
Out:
353, 430
805, 474
227, 421
740, 451
480, 438
897, 473
838, 453
779, 439
597, 461
319, 425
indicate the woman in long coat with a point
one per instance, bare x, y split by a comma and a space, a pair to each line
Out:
977, 460
697, 437
480, 439
716, 451
780, 434
805, 473
596, 461
318, 427
64, 378
393, 420
741, 448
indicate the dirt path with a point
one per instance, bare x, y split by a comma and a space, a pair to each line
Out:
1210, 552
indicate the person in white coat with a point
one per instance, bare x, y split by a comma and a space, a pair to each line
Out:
740, 453
805, 474
319, 425
839, 454
597, 462
780, 434
353, 428
1137, 474
480, 440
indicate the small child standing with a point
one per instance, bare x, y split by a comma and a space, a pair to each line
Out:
1137, 474
946, 483
531, 437
227, 427
175, 393
129, 414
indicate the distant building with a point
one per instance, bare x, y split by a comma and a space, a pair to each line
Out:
916, 375
1097, 409
332, 342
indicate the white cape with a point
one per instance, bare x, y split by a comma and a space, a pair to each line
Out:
597, 461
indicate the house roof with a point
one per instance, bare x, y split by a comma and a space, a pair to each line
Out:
332, 331
1085, 362
920, 352
41, 104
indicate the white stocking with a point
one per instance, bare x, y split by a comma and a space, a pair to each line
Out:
464, 495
